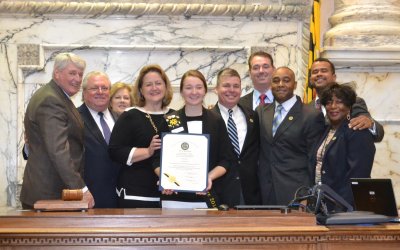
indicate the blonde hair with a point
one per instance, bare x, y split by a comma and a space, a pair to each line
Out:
138, 99
121, 85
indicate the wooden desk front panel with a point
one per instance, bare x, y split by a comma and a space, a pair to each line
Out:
183, 229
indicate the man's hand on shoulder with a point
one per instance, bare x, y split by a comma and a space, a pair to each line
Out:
361, 122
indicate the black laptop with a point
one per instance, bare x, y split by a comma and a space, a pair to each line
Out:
375, 195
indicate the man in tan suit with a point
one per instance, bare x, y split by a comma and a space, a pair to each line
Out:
54, 132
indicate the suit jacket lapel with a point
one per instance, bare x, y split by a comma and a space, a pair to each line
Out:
338, 132
250, 123
92, 125
182, 115
291, 117
69, 103
268, 111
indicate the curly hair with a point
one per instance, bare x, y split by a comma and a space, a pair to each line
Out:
341, 91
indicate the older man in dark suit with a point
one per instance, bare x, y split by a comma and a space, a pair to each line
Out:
288, 132
322, 75
100, 171
54, 131
240, 184
261, 67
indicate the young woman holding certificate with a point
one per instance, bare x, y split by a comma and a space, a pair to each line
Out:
135, 141
193, 118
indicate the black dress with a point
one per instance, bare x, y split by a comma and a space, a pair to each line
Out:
137, 184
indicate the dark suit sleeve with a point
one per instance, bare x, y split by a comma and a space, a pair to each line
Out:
53, 121
360, 154
24, 152
314, 130
360, 108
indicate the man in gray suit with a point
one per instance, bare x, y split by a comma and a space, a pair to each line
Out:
54, 131
261, 67
288, 132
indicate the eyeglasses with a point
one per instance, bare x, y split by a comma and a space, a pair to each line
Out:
95, 89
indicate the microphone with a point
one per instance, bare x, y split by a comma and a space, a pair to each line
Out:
321, 194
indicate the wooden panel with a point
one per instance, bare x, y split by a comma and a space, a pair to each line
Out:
183, 229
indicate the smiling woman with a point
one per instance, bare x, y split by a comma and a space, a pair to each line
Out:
135, 141
195, 119
342, 153
120, 98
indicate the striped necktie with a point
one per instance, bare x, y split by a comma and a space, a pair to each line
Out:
104, 126
232, 132
277, 118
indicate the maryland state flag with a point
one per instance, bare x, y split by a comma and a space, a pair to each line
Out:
313, 52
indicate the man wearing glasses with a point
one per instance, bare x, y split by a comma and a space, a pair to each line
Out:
100, 171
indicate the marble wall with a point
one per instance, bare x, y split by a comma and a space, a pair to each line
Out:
363, 42
119, 37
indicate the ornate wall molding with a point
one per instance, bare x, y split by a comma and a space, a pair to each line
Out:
107, 9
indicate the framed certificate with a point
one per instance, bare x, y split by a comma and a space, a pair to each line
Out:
184, 162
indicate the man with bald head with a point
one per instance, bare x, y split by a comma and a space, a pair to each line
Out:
288, 132
100, 171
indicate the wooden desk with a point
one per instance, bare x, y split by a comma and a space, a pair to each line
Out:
183, 229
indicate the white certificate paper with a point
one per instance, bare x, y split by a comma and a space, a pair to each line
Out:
184, 162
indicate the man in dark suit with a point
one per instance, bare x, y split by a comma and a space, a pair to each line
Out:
54, 131
322, 75
240, 184
288, 132
261, 67
100, 171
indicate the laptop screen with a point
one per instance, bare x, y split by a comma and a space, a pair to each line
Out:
375, 195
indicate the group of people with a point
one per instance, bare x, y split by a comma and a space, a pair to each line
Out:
262, 146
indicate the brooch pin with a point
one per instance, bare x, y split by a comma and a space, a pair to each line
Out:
173, 121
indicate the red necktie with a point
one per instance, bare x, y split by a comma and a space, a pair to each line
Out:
262, 99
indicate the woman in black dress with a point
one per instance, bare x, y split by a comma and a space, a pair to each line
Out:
194, 118
135, 141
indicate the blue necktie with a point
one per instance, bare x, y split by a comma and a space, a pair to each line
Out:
232, 132
277, 118
104, 126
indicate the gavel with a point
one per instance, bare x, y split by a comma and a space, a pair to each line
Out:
72, 195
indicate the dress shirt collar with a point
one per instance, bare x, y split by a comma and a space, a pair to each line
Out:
256, 97
224, 110
287, 105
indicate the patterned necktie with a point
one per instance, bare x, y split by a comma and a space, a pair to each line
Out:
104, 126
262, 99
277, 118
232, 132
318, 104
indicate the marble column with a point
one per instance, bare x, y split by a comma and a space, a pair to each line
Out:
364, 44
